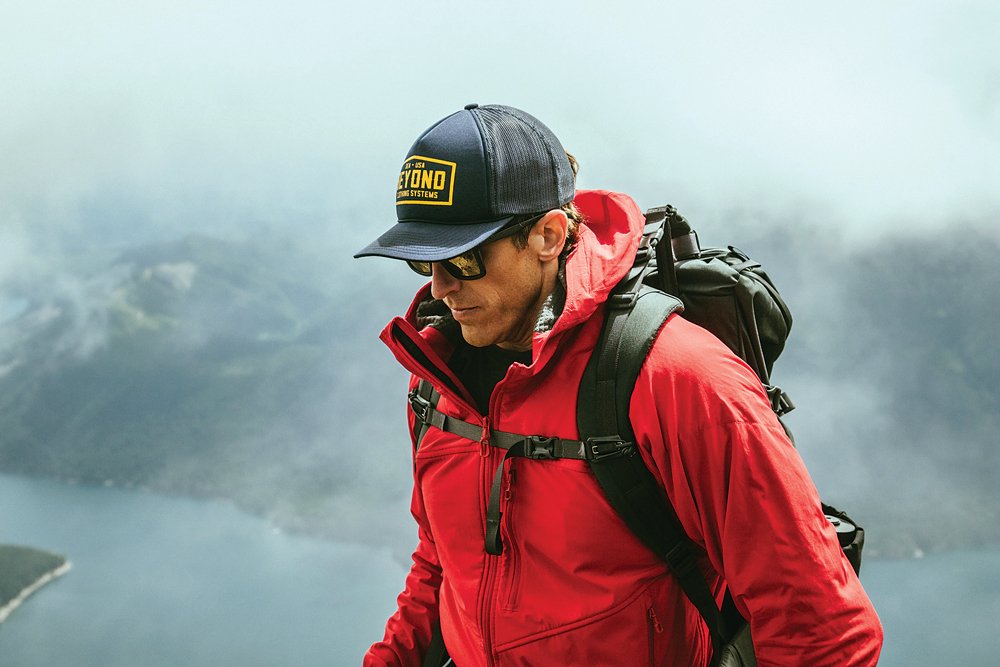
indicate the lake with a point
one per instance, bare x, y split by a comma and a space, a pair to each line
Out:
170, 581
162, 581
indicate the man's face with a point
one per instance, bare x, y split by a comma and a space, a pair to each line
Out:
501, 307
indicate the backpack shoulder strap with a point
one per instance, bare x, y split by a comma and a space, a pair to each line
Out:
602, 416
423, 397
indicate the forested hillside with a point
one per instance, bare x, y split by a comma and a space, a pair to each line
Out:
209, 368
251, 371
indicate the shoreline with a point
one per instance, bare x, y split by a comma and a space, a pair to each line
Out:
897, 542
28, 590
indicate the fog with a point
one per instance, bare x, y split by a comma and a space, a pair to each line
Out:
186, 114
820, 138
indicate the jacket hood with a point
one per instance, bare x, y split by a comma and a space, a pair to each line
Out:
608, 240
606, 247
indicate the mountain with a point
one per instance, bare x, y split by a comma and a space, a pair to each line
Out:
250, 370
202, 367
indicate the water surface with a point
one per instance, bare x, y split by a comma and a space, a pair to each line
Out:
160, 581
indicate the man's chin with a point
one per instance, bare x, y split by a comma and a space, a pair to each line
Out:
474, 337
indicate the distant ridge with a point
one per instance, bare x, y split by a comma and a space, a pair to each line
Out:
23, 570
249, 370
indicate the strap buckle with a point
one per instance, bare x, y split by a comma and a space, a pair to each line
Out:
686, 246
607, 446
623, 300
421, 406
647, 246
681, 559
781, 403
539, 447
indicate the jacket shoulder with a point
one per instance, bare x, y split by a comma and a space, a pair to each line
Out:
693, 372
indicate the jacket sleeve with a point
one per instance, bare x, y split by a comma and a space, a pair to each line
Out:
408, 631
743, 495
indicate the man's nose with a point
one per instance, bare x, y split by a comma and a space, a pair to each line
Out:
442, 282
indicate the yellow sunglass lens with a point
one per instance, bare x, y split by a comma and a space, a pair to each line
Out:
466, 263
423, 268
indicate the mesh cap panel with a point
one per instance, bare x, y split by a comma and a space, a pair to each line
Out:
529, 168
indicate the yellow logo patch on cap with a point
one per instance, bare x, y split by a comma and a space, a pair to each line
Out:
426, 180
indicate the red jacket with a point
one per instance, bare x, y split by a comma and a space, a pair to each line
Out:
573, 585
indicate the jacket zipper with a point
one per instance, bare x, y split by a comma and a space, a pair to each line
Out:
653, 628
487, 470
489, 459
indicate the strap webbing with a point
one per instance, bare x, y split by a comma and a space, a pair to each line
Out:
659, 219
629, 331
424, 394
536, 447
527, 446
530, 447
631, 489
437, 653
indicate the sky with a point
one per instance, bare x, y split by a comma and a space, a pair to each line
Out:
126, 121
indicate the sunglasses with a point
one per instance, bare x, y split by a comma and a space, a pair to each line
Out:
469, 265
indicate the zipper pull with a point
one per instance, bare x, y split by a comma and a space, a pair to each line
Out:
655, 621
484, 439
507, 492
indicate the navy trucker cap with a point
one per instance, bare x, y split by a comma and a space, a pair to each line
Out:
467, 176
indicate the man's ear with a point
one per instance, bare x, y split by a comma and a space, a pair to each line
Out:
549, 235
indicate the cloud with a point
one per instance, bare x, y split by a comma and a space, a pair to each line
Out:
178, 275
235, 119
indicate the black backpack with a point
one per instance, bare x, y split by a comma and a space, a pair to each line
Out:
721, 290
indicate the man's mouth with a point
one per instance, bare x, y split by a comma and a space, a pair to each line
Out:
460, 313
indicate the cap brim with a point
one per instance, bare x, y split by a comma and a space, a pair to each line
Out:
430, 241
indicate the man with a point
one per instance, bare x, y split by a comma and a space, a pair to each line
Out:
520, 266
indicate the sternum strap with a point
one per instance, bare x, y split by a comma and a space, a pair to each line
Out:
537, 447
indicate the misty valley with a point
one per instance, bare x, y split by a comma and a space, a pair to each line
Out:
206, 370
